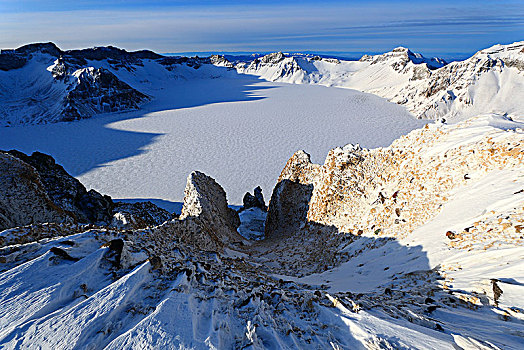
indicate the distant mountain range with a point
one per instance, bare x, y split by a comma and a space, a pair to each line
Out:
41, 83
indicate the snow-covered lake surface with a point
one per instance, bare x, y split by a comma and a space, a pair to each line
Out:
239, 130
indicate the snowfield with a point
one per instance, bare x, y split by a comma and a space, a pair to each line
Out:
238, 129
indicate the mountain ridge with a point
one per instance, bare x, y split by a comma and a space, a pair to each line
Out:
428, 88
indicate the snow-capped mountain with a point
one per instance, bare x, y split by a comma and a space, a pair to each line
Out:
39, 83
489, 81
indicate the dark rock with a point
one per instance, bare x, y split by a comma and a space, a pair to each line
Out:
431, 308
24, 199
100, 91
156, 262
497, 292
62, 254
139, 215
111, 52
256, 201
48, 48
114, 252
67, 192
11, 61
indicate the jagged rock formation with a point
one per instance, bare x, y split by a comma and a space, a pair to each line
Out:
23, 196
289, 202
99, 91
221, 61
255, 200
205, 210
276, 67
387, 191
67, 192
46, 193
402, 56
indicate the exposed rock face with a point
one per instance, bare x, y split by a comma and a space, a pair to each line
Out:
289, 203
99, 91
23, 197
9, 61
441, 88
219, 60
138, 215
274, 57
276, 67
47, 48
254, 201
206, 221
387, 191
66, 192
206, 200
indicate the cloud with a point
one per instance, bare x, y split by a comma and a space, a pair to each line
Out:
348, 26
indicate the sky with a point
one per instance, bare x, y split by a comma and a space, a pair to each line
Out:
435, 28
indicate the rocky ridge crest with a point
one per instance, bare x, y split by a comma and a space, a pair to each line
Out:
388, 191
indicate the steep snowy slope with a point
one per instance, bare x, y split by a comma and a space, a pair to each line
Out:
492, 80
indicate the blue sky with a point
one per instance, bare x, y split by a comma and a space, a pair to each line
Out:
445, 28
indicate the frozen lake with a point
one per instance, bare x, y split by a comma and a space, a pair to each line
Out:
241, 131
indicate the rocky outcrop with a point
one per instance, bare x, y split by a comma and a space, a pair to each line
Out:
436, 89
289, 202
138, 215
23, 196
221, 61
255, 200
66, 192
273, 58
206, 222
400, 57
389, 191
99, 91
9, 61
205, 200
